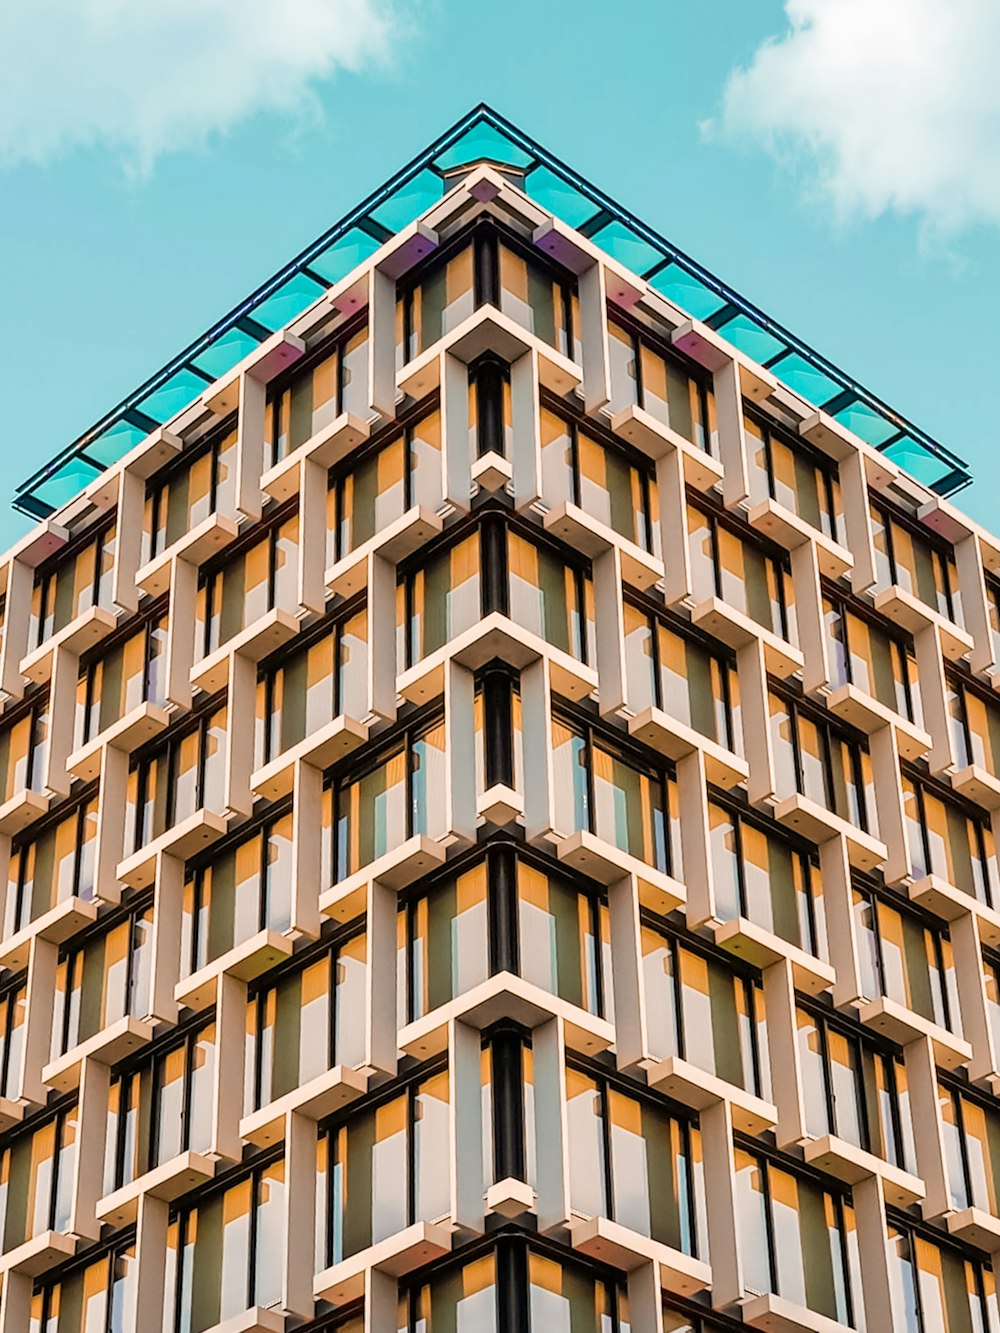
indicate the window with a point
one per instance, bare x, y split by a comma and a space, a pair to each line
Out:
819, 761
945, 840
191, 493
36, 1181
975, 729
550, 597
901, 957
312, 398
609, 794
631, 1161
793, 477
562, 1298
615, 487
439, 601
178, 778
760, 877
312, 685
398, 796
99, 1298
662, 386
462, 1299
699, 1009
403, 473
442, 299
680, 676
972, 1151
161, 1109
71, 587
245, 890
796, 1239
443, 944
249, 586
564, 940
865, 654
741, 573
129, 674
854, 1091
102, 981
13, 1008
228, 1252
908, 560
936, 1289
387, 1169
306, 1022
534, 298
23, 752
55, 865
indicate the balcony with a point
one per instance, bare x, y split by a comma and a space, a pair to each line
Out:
138, 726
819, 825
592, 538
326, 448
653, 438
676, 740
394, 542
869, 715
976, 1227
733, 627
107, 1047
496, 635
205, 539
182, 840
321, 749
901, 1025
697, 1089
942, 898
23, 808
265, 635
786, 529
39, 1255
245, 961
619, 1247
83, 632
169, 1181
590, 855
905, 609
978, 785
852, 1165
417, 1245
57, 925
745, 939
395, 869
320, 1097
776, 1315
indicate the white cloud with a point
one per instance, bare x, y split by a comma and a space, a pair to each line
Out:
145, 77
889, 105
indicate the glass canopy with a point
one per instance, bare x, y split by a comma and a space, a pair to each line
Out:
484, 135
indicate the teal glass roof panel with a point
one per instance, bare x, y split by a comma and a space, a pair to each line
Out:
483, 141
623, 244
114, 443
806, 379
337, 260
557, 196
747, 335
173, 396
872, 426
290, 299
67, 482
918, 461
409, 201
685, 290
228, 350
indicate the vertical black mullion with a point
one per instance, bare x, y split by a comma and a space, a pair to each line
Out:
609, 1175
741, 887
133, 926
251, 1287
769, 462
574, 450
263, 885
877, 931
56, 1169
501, 872
675, 971
498, 741
963, 1146
8, 1004
486, 268
508, 1106
411, 1172
654, 626
595, 935
407, 468
765, 1181
713, 528
824, 1047
513, 1310
588, 743
70, 960
494, 583
410, 919
78, 847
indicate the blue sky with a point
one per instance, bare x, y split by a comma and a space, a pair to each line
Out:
850, 191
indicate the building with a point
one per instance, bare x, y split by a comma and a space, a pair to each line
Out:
499, 768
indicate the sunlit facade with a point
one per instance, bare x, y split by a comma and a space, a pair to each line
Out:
498, 795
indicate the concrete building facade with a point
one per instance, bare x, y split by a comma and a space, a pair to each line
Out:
498, 793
